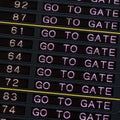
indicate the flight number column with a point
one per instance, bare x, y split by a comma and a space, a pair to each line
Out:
15, 56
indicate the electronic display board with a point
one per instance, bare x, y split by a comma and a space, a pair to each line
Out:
60, 60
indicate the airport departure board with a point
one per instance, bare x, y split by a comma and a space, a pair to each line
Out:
59, 59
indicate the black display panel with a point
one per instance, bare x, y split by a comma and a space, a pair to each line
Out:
60, 60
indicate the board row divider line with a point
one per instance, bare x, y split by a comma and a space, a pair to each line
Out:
59, 94
59, 27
